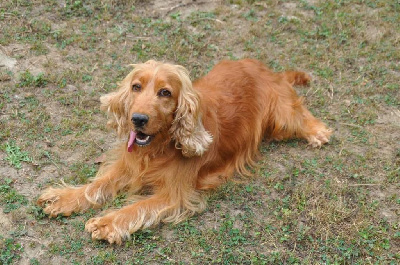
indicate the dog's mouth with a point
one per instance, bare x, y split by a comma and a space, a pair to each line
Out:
143, 139
139, 138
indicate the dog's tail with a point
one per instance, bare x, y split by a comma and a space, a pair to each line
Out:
297, 78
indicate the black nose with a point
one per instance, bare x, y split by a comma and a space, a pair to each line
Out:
139, 120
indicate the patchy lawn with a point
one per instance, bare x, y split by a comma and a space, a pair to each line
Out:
336, 205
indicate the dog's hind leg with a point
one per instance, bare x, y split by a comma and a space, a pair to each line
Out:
290, 118
312, 129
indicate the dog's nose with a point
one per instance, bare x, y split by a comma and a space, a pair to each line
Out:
139, 120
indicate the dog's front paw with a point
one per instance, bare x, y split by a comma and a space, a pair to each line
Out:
102, 228
320, 138
62, 201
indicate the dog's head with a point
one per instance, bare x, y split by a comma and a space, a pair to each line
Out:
156, 103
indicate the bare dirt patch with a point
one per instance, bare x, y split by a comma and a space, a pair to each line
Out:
5, 223
184, 7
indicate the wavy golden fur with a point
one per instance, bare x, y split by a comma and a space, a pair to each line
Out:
185, 138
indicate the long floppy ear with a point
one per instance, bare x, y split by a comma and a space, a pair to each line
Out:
116, 105
187, 128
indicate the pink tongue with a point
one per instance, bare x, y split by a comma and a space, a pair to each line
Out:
132, 137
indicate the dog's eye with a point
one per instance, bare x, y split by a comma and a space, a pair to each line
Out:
136, 87
164, 93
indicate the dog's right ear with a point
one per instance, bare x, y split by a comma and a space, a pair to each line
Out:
116, 105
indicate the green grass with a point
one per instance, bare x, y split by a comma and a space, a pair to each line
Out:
334, 205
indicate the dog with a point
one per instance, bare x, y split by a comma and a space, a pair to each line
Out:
184, 138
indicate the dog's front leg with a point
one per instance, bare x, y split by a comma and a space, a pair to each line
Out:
172, 206
69, 199
120, 224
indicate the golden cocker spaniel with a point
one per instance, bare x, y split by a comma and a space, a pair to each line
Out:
184, 138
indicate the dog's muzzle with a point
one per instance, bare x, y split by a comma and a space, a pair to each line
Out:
138, 137
139, 120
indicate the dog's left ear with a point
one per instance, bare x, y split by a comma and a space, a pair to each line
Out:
187, 128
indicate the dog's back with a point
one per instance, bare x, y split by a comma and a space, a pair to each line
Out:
244, 102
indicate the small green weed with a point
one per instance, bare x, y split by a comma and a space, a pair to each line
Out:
82, 172
27, 79
10, 197
34, 261
36, 211
9, 250
76, 8
14, 154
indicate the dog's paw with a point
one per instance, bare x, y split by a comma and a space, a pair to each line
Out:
320, 138
60, 201
102, 228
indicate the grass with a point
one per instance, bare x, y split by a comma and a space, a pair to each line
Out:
334, 205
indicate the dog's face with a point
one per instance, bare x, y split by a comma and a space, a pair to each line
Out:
154, 96
156, 104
